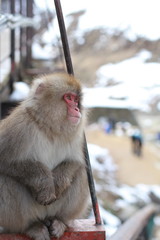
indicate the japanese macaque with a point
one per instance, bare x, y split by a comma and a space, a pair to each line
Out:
43, 182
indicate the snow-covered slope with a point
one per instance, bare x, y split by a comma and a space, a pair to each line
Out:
137, 83
137, 17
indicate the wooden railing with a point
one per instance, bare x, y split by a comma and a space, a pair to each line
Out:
134, 226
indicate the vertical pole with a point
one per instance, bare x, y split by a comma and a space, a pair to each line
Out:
20, 47
70, 71
21, 42
0, 65
24, 33
29, 33
64, 39
12, 55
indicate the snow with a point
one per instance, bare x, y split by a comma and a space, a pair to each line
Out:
21, 91
134, 16
109, 218
5, 69
112, 97
102, 163
137, 82
111, 222
134, 71
128, 199
98, 152
39, 52
130, 195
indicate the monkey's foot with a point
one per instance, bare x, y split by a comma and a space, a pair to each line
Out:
57, 228
38, 231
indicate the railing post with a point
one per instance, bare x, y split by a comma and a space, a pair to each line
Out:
12, 55
29, 34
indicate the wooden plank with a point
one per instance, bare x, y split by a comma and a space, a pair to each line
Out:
83, 229
132, 228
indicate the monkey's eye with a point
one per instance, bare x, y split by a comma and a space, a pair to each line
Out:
68, 96
71, 98
76, 99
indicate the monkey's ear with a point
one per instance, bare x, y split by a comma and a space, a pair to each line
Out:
40, 88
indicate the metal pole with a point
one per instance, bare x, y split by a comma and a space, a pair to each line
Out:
21, 12
70, 71
29, 33
12, 54
21, 43
64, 39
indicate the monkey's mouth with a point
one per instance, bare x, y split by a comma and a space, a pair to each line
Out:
74, 115
74, 119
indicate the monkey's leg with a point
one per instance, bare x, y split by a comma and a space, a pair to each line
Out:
35, 176
38, 231
72, 203
63, 176
56, 227
19, 212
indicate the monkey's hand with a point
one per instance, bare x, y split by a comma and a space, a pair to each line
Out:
35, 176
63, 175
43, 190
61, 184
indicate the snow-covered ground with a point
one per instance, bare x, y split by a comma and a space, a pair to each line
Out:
128, 199
105, 169
137, 83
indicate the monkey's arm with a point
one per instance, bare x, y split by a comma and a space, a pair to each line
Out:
34, 175
64, 174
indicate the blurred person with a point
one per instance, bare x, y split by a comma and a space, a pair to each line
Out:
137, 142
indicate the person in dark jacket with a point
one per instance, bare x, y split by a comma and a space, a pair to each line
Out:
137, 142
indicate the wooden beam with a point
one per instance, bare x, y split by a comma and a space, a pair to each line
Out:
83, 229
133, 227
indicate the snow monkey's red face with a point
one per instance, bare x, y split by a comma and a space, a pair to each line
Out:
60, 96
73, 106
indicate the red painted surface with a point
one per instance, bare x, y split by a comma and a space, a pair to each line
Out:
98, 218
81, 230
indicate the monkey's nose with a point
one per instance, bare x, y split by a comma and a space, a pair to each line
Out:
77, 109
